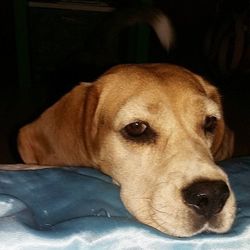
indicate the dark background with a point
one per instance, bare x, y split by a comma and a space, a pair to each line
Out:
46, 51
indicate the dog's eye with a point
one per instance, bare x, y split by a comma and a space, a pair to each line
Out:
136, 129
139, 131
210, 124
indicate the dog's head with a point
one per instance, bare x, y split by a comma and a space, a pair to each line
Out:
156, 130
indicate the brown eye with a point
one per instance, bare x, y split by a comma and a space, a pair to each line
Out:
210, 124
136, 128
139, 131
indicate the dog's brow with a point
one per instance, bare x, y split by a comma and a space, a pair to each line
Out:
134, 110
212, 108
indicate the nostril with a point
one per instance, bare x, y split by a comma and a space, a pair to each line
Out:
206, 198
202, 201
222, 197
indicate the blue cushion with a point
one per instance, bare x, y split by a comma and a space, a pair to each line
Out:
80, 208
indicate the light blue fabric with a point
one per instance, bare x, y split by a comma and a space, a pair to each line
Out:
80, 208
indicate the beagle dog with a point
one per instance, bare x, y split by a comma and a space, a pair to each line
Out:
157, 130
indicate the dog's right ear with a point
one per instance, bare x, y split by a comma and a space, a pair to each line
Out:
62, 135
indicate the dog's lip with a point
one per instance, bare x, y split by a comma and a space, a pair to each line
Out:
200, 223
203, 227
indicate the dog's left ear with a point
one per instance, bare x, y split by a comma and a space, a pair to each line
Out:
223, 143
63, 133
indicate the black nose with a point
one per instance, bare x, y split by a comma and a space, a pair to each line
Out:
207, 198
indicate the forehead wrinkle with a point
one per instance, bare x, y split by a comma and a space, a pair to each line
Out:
188, 109
153, 108
182, 81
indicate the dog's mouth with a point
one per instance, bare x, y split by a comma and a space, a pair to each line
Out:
188, 223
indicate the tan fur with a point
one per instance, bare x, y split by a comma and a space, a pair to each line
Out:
83, 129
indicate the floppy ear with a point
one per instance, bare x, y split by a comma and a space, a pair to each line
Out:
223, 143
62, 135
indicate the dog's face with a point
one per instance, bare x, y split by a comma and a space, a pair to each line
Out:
156, 130
156, 140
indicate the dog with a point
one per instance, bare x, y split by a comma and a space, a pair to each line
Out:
157, 130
